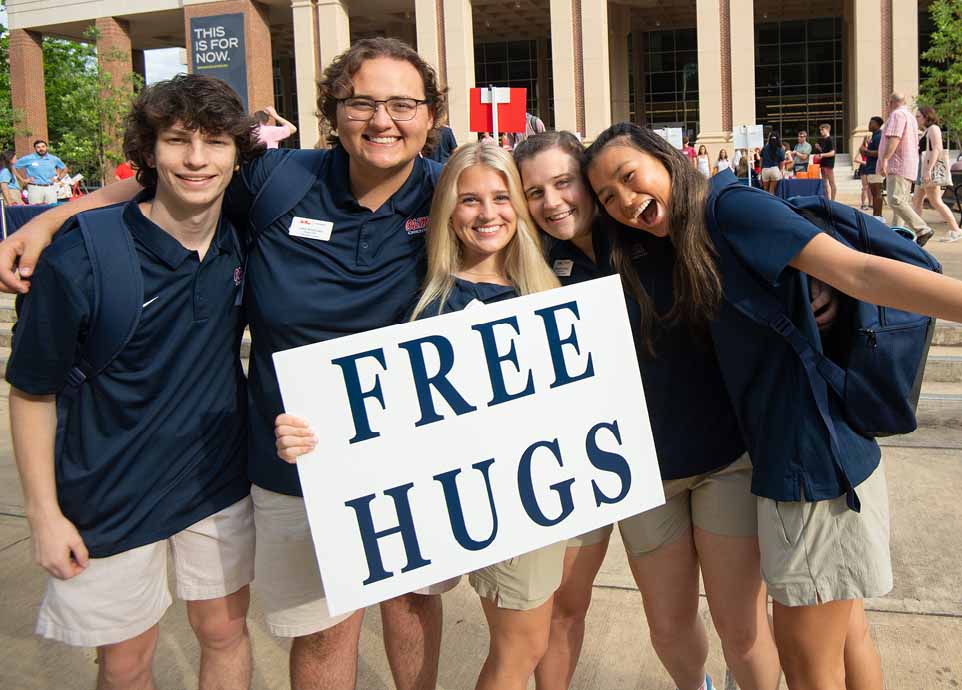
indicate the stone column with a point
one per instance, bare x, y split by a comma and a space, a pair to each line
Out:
333, 30
619, 22
596, 82
26, 88
565, 65
459, 64
306, 71
429, 22
905, 48
742, 51
711, 93
257, 43
865, 94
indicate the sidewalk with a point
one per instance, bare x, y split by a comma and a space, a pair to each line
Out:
918, 627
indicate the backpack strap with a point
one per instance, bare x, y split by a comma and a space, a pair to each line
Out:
118, 293
118, 288
744, 292
288, 183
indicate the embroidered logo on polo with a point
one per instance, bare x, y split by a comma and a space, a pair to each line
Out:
238, 276
415, 226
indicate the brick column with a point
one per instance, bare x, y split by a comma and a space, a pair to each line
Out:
114, 58
306, 57
257, 42
26, 87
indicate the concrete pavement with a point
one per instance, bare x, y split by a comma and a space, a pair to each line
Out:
918, 627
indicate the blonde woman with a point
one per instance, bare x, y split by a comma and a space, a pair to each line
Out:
481, 243
483, 246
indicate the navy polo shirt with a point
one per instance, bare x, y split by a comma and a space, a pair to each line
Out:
871, 162
772, 157
787, 440
303, 290
692, 419
157, 441
463, 293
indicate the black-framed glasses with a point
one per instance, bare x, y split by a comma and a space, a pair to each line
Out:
398, 109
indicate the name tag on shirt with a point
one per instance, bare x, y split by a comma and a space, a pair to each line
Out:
562, 267
311, 229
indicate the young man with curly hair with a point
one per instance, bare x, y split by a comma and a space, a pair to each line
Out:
150, 452
360, 269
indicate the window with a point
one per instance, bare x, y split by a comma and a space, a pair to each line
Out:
671, 80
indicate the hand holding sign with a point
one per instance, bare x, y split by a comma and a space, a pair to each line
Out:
460, 441
294, 437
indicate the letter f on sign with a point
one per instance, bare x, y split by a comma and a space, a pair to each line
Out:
355, 396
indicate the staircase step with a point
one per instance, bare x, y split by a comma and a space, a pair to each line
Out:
943, 367
940, 405
947, 333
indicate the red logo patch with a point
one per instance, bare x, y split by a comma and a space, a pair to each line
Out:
415, 226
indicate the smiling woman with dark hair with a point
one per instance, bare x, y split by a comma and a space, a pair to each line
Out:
804, 485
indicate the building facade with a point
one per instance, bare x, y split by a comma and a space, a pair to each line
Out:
707, 66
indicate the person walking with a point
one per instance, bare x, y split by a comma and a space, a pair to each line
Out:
934, 174
899, 164
42, 170
869, 152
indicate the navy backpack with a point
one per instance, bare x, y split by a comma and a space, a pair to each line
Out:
876, 369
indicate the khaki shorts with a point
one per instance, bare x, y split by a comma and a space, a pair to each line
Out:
875, 179
816, 552
718, 502
288, 580
117, 598
771, 174
595, 536
524, 582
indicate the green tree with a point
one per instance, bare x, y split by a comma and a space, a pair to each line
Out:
942, 84
85, 110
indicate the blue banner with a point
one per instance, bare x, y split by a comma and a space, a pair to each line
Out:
217, 50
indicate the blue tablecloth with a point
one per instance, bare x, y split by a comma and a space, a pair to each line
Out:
17, 216
804, 187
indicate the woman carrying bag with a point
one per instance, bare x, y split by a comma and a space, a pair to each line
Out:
935, 172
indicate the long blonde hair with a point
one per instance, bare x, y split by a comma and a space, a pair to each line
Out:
525, 265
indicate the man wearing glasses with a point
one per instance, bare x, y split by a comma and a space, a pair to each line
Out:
802, 152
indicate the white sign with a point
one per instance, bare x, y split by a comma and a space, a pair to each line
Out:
672, 135
749, 137
455, 442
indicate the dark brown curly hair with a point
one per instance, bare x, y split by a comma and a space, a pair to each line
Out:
336, 82
194, 101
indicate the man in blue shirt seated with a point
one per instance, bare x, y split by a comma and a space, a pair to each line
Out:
41, 169
146, 449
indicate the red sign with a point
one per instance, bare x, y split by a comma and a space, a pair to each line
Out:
511, 115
